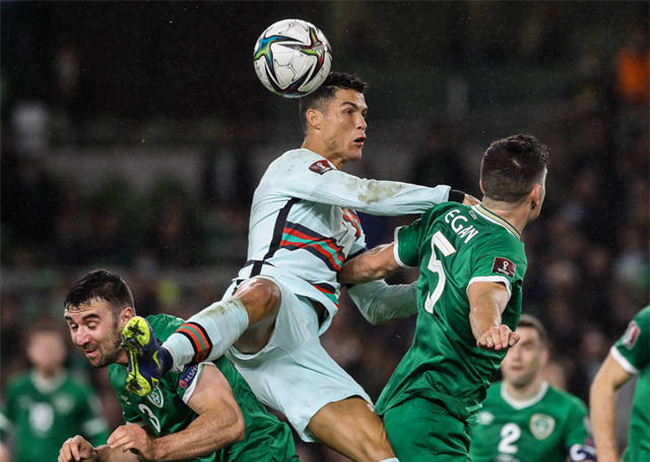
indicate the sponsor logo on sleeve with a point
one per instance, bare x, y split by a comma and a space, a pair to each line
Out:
321, 166
188, 376
504, 266
631, 335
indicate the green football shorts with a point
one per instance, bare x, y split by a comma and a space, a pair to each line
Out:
420, 430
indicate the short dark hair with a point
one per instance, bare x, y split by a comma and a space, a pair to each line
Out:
319, 98
45, 326
530, 321
100, 284
512, 166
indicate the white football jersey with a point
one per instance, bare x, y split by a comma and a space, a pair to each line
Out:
303, 224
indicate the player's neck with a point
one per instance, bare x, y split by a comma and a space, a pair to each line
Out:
525, 392
314, 145
46, 381
517, 216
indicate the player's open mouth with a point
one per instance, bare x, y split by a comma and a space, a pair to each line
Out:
360, 140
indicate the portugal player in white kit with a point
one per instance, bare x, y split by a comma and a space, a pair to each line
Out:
303, 226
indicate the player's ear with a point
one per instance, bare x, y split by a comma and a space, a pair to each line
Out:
126, 314
314, 118
480, 185
545, 355
535, 196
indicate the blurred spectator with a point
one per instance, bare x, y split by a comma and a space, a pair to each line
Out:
45, 405
633, 69
67, 73
591, 91
173, 234
112, 206
30, 199
73, 229
438, 160
30, 124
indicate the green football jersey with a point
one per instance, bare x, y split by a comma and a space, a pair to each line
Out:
454, 245
551, 427
632, 351
42, 416
164, 411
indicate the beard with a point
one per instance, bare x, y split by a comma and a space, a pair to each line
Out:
109, 353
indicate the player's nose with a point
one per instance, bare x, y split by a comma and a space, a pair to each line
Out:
362, 123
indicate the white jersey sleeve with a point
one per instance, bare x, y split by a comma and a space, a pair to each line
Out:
380, 302
313, 178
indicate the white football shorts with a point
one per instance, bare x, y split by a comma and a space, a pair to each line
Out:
293, 373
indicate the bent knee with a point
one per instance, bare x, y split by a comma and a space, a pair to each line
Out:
260, 296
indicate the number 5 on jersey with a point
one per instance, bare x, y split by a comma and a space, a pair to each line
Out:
438, 240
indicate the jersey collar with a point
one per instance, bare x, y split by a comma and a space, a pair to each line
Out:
496, 219
523, 404
47, 386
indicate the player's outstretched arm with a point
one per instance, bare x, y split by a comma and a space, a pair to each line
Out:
604, 391
487, 300
218, 424
374, 264
380, 302
78, 449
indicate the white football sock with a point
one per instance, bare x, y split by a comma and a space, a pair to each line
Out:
208, 334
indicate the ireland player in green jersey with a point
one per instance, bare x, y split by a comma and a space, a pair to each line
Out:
627, 357
46, 404
472, 265
523, 418
205, 412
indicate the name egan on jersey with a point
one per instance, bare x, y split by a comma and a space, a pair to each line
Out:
456, 220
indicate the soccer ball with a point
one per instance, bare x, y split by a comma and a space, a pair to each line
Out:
292, 58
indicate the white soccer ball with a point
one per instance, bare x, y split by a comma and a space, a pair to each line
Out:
292, 58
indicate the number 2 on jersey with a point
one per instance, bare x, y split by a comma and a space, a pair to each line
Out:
438, 240
510, 433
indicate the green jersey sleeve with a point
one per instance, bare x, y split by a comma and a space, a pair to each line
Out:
407, 243
631, 351
577, 439
498, 262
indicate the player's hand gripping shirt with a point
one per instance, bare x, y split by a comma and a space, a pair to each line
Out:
164, 411
303, 224
631, 351
453, 246
551, 427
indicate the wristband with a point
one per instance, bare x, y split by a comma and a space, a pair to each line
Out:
456, 196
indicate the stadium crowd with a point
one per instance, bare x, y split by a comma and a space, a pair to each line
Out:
588, 271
